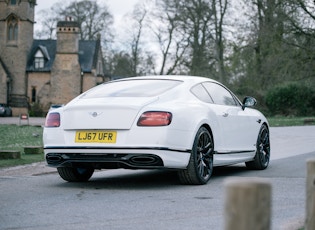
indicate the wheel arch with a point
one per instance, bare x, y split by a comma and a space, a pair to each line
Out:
208, 127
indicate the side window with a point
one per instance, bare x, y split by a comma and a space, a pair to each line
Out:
219, 94
201, 93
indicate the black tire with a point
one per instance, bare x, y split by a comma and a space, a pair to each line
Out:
75, 174
262, 156
200, 164
8, 113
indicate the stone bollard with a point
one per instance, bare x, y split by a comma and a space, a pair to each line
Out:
310, 195
33, 150
247, 204
10, 154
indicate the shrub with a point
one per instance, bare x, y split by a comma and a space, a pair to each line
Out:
36, 110
291, 99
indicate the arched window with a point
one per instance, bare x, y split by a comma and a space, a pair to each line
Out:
13, 29
39, 60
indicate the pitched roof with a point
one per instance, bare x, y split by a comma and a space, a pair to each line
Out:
87, 54
50, 46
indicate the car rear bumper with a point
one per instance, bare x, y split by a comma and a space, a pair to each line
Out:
104, 158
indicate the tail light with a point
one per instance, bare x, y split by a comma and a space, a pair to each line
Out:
155, 119
52, 120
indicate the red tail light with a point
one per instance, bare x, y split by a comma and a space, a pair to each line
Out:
155, 119
52, 120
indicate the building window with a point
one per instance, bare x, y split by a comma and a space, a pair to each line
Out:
39, 61
13, 2
33, 98
13, 29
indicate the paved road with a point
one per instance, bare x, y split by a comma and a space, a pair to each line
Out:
36, 121
122, 199
125, 199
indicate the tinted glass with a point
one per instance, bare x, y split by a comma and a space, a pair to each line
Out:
219, 94
200, 92
132, 88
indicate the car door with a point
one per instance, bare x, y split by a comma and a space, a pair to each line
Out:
237, 131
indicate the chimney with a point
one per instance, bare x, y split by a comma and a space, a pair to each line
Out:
68, 35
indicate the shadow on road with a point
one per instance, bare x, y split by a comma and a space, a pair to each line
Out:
159, 179
145, 179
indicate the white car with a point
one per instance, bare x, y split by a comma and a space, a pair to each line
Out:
186, 123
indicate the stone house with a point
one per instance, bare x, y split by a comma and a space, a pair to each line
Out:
44, 72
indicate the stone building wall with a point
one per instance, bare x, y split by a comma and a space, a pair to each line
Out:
3, 85
14, 53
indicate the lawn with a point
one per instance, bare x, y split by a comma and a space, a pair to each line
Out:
14, 137
290, 121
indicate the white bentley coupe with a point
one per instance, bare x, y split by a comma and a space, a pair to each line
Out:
184, 123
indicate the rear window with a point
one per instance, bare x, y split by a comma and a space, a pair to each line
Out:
132, 88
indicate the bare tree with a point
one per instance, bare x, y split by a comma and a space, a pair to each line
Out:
139, 15
220, 7
47, 20
165, 25
93, 18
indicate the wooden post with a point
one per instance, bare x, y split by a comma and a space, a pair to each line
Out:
310, 195
247, 204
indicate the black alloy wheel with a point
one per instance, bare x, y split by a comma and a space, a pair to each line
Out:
262, 157
200, 166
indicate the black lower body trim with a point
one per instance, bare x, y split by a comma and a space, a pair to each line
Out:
104, 161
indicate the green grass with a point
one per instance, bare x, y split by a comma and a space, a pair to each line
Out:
13, 137
290, 121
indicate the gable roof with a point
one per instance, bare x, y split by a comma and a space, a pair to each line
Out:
47, 45
88, 51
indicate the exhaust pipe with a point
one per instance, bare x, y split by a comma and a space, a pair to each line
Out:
54, 159
145, 161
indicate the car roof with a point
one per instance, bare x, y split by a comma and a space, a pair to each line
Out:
185, 78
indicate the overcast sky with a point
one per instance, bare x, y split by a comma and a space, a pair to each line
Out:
118, 8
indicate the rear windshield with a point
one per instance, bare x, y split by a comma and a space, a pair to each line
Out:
132, 88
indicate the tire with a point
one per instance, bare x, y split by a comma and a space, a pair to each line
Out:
262, 156
200, 166
8, 113
75, 174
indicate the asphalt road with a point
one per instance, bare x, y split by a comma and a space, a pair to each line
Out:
126, 199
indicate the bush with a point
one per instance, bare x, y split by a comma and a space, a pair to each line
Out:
291, 99
36, 110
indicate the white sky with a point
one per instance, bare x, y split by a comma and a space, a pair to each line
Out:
118, 8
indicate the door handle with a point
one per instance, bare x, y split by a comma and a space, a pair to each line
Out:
225, 114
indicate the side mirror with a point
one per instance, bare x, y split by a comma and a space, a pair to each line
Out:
249, 102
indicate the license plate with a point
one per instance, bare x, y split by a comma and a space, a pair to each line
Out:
92, 136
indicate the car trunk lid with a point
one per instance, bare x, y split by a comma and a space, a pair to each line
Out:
103, 113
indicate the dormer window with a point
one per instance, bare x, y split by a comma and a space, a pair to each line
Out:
39, 60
